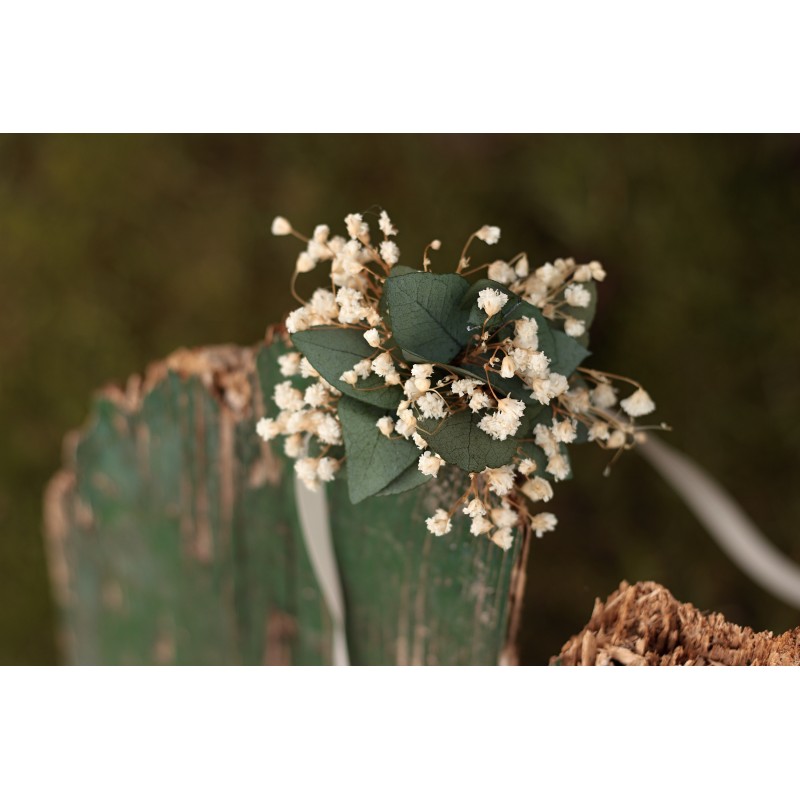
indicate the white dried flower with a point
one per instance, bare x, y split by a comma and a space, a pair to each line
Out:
287, 398
598, 432
418, 441
501, 272
480, 525
386, 426
327, 469
363, 368
373, 337
475, 508
558, 466
297, 320
603, 396
422, 370
479, 400
268, 428
489, 234
323, 305
464, 386
307, 370
382, 364
638, 404
432, 406
542, 523
305, 263
281, 226
390, 252
385, 224
306, 469
429, 463
356, 227
316, 395
577, 295
537, 489
406, 423
499, 426
289, 364
504, 517
439, 524
565, 430
503, 538
491, 301
293, 445
329, 430
508, 367
526, 466
598, 273
500, 479
525, 330
574, 327
522, 268
616, 440
349, 377
510, 407
321, 234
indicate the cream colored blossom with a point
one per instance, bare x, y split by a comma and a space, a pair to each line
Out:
429, 463
638, 404
489, 234
491, 301
281, 226
439, 524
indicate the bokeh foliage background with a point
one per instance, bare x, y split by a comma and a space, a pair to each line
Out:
115, 250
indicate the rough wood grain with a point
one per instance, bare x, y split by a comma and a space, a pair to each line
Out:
644, 625
173, 538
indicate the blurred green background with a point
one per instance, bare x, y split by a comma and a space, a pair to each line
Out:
115, 250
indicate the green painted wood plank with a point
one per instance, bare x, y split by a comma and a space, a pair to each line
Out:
174, 538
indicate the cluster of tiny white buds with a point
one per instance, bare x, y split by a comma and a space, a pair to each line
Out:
499, 498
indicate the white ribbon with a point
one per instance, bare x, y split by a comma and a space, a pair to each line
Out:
729, 526
312, 508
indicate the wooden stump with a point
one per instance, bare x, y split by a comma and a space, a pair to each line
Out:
644, 625
173, 538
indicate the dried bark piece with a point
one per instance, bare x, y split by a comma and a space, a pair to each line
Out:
644, 625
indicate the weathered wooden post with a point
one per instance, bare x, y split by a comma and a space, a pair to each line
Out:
173, 538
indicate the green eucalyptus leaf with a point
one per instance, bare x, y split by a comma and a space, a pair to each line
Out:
425, 314
567, 354
395, 271
332, 351
459, 440
373, 461
410, 478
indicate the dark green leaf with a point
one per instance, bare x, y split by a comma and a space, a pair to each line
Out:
332, 351
567, 354
373, 461
410, 478
459, 440
425, 314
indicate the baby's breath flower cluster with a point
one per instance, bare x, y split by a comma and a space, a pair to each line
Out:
403, 372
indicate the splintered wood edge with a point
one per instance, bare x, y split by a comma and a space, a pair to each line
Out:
226, 371
644, 625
